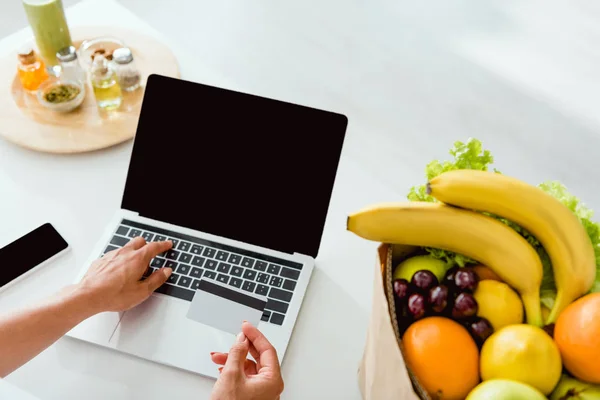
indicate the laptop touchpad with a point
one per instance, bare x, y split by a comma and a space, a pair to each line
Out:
225, 307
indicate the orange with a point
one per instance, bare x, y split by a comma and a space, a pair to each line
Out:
485, 273
443, 357
577, 334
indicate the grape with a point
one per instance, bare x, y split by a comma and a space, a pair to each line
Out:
422, 281
417, 306
481, 329
466, 280
401, 289
465, 306
404, 318
438, 298
449, 277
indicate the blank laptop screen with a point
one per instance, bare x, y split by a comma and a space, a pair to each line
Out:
236, 165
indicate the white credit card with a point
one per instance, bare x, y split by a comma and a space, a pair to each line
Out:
225, 307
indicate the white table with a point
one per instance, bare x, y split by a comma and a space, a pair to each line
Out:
412, 79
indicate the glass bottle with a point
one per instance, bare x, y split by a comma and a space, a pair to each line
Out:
70, 69
31, 70
104, 81
127, 73
49, 24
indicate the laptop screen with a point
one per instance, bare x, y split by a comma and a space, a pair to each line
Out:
240, 166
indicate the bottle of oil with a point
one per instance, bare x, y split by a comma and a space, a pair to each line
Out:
106, 87
31, 69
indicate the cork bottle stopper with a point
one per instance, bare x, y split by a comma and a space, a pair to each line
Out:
27, 56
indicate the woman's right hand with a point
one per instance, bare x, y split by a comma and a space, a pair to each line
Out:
243, 379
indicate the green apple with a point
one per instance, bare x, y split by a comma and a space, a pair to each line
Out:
504, 389
407, 268
571, 389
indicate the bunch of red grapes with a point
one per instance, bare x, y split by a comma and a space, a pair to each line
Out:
453, 298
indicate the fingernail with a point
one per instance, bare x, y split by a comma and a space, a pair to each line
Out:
241, 337
212, 353
167, 272
220, 369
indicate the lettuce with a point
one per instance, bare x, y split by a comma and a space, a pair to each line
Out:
472, 155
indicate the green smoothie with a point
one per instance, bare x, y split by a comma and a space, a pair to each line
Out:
49, 25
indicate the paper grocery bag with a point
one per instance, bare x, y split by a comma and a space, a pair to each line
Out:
382, 373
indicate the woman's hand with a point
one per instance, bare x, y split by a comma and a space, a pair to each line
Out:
113, 282
243, 379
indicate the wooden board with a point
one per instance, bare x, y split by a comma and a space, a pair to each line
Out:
27, 123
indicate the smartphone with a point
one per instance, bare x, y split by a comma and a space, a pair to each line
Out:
26, 254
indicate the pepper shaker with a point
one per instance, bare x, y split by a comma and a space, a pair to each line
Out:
127, 73
70, 68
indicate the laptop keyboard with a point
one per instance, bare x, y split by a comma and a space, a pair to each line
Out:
193, 258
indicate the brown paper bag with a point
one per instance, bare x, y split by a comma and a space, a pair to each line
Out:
382, 373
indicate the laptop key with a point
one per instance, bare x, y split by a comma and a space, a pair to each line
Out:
266, 315
159, 238
280, 294
263, 278
183, 269
148, 272
290, 273
277, 319
175, 242
276, 281
260, 265
235, 259
273, 269
262, 290
196, 272
196, 249
277, 306
122, 230
185, 258
172, 254
148, 236
134, 233
237, 271
198, 261
247, 262
184, 246
210, 274
157, 262
236, 282
208, 252
250, 274
176, 291
223, 267
195, 284
211, 264
184, 281
173, 279
110, 248
119, 241
222, 255
171, 264
248, 286
223, 278
289, 285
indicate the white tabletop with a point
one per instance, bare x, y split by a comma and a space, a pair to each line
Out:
411, 78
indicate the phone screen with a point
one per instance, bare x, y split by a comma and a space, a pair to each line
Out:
29, 251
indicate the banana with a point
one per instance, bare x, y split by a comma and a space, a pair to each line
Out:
475, 235
554, 225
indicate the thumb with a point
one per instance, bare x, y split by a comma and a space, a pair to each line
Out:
238, 353
157, 278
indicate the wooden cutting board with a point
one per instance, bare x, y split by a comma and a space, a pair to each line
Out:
27, 123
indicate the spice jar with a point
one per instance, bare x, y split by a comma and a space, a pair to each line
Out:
69, 64
129, 76
31, 69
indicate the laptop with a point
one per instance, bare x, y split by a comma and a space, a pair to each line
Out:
241, 184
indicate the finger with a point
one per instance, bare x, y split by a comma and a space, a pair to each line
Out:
219, 358
249, 366
157, 278
135, 243
255, 354
267, 353
153, 249
238, 353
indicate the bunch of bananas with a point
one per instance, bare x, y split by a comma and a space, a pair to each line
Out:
458, 225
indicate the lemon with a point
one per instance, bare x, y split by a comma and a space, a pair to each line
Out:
407, 268
523, 353
498, 303
504, 389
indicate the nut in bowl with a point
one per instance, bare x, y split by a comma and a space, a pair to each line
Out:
61, 95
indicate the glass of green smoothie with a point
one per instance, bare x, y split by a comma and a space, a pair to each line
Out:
49, 24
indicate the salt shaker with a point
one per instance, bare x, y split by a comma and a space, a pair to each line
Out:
70, 69
127, 73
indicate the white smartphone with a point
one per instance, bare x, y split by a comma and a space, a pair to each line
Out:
28, 253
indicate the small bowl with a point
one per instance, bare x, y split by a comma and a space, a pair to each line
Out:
88, 47
64, 106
